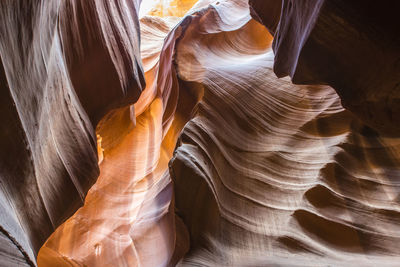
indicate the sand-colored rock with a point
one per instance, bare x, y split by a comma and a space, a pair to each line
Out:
127, 219
271, 173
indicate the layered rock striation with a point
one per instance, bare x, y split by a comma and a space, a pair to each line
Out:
353, 46
53, 56
271, 173
203, 155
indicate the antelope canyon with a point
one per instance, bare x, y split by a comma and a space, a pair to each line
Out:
199, 133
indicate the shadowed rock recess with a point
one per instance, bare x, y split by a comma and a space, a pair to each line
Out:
171, 135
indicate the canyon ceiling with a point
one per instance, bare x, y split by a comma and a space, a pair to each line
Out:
204, 133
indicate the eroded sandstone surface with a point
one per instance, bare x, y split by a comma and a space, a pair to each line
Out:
204, 156
54, 57
354, 46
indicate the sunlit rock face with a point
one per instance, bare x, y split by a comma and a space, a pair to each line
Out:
268, 172
53, 59
354, 46
166, 8
279, 174
127, 218
214, 162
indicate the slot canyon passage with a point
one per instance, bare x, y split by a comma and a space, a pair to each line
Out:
199, 133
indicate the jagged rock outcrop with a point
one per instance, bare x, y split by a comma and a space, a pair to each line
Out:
63, 64
354, 46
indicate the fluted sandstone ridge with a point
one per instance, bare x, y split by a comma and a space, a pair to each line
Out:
127, 218
268, 172
216, 162
53, 56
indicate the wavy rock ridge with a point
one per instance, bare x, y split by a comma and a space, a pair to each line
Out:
216, 162
277, 173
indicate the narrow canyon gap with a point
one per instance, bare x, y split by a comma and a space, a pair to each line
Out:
199, 133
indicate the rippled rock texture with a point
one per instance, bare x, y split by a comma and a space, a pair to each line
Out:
268, 172
217, 161
354, 46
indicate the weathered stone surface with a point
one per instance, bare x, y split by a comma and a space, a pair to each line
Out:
354, 46
272, 173
60, 62
217, 162
127, 218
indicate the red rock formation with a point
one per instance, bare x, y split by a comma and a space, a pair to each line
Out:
217, 162
127, 219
